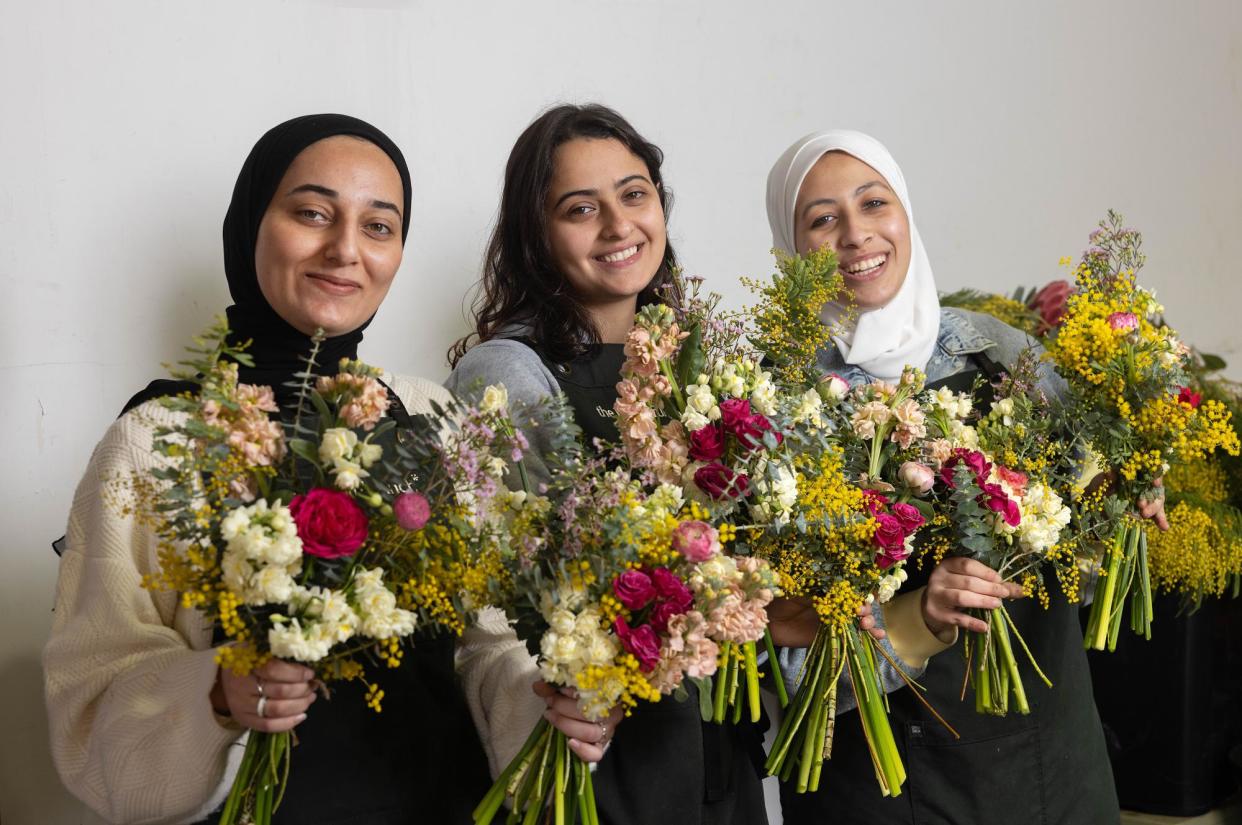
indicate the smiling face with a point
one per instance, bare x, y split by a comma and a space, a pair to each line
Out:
849, 206
330, 241
605, 223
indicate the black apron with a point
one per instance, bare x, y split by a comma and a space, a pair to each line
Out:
419, 762
665, 764
1047, 768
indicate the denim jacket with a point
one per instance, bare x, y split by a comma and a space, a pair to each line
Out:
962, 333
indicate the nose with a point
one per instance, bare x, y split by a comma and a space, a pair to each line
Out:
616, 224
341, 244
856, 231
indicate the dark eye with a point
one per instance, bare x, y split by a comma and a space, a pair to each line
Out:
822, 221
313, 215
874, 203
380, 228
634, 195
580, 210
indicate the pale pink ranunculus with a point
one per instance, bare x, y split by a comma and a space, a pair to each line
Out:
698, 541
919, 478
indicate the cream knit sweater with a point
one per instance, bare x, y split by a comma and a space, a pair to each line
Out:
127, 671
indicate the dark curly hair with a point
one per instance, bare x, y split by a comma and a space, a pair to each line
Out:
521, 283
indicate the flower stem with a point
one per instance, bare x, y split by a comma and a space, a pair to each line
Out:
778, 678
752, 680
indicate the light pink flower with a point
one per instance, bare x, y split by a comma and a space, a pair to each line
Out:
698, 541
918, 477
870, 417
363, 400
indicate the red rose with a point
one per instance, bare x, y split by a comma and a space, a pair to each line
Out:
998, 502
330, 523
641, 641
634, 589
746, 426
707, 443
675, 598
718, 481
874, 501
890, 537
1050, 302
909, 516
1187, 396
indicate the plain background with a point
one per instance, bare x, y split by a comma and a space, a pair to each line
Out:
123, 125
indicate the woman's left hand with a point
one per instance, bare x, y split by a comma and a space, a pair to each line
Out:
1151, 506
588, 739
793, 622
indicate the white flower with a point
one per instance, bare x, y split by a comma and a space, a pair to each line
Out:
369, 453
496, 466
808, 410
561, 621
495, 399
667, 498
693, 420
699, 398
272, 585
337, 445
1004, 408
348, 475
833, 389
763, 396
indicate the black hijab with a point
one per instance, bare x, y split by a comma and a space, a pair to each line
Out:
276, 346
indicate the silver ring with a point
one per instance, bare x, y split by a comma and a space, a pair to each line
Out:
261, 707
603, 733
258, 683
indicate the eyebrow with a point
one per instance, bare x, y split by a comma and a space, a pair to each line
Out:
831, 201
590, 193
332, 193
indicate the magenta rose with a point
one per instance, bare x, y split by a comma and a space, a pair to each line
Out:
707, 443
330, 523
998, 502
874, 501
640, 641
412, 510
732, 412
718, 481
671, 588
634, 589
891, 539
746, 426
909, 516
1051, 302
697, 541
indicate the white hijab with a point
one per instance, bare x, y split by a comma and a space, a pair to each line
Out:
902, 332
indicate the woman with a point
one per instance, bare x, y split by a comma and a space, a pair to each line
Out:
145, 727
579, 245
843, 189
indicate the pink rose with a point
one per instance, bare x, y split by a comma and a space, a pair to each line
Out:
998, 502
874, 501
1123, 321
1051, 302
918, 477
412, 510
718, 481
1188, 396
330, 523
832, 388
640, 641
1015, 479
697, 541
634, 589
909, 516
707, 443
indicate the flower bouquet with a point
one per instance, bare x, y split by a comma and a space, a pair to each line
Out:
1128, 392
329, 538
622, 595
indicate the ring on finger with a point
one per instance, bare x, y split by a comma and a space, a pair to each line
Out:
261, 707
258, 684
603, 733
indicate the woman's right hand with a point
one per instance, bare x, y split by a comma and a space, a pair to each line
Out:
287, 689
956, 585
588, 739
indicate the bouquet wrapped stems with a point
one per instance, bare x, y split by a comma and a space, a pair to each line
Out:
546, 781
804, 740
1124, 573
260, 782
739, 671
994, 668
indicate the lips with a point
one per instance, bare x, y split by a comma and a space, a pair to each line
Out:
865, 269
333, 284
620, 257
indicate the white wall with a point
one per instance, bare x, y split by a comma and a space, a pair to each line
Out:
123, 124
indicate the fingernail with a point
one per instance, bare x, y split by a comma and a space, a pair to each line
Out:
574, 743
301, 717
